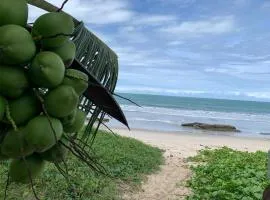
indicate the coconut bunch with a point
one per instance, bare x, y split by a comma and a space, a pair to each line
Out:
39, 93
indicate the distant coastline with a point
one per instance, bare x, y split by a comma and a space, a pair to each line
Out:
210, 96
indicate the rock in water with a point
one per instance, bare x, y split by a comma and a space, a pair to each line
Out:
13, 12
3, 103
16, 45
66, 52
15, 146
212, 127
20, 170
24, 108
43, 133
61, 101
13, 81
77, 124
47, 70
77, 79
50, 26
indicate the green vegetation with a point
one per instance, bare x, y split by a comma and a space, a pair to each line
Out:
228, 174
127, 161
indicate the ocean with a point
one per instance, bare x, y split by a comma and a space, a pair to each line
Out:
167, 113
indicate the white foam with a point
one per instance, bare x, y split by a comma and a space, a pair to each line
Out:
152, 120
198, 113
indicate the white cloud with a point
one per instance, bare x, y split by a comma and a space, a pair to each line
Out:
153, 90
250, 57
259, 95
265, 5
257, 71
153, 20
176, 43
233, 43
218, 70
176, 92
179, 3
153, 61
132, 34
105, 12
92, 11
218, 25
108, 39
134, 31
34, 13
130, 56
241, 2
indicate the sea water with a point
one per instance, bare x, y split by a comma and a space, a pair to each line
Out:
167, 113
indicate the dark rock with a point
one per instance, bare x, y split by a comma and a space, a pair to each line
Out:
264, 133
211, 127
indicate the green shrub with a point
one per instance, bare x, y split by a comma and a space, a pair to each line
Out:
226, 174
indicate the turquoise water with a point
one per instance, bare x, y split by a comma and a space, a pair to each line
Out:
167, 113
192, 103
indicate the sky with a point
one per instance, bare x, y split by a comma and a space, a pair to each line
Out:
200, 48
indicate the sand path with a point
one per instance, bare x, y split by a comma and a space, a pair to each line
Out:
168, 183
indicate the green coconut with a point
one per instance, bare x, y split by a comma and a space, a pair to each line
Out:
25, 170
43, 132
13, 12
3, 157
77, 124
61, 101
49, 28
57, 153
13, 81
66, 52
77, 79
24, 108
69, 119
15, 146
47, 70
3, 103
16, 45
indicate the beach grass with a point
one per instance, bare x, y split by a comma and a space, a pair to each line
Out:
228, 174
127, 160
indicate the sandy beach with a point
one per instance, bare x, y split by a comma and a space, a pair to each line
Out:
187, 144
168, 183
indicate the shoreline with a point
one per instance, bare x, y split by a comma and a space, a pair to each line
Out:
197, 132
191, 130
187, 144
